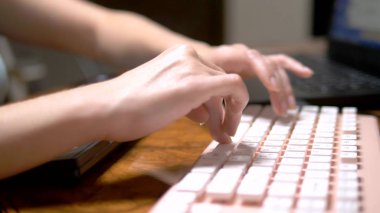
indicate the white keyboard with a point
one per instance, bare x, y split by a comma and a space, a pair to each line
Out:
317, 159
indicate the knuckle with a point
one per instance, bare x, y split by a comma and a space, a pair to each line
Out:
282, 57
240, 46
185, 54
235, 78
187, 50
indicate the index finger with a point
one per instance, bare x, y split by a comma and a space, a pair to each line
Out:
291, 65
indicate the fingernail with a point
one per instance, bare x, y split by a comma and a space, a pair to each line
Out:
225, 139
308, 69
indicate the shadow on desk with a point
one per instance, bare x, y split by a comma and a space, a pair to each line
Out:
130, 180
89, 190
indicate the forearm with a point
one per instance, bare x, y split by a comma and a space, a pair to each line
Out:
126, 38
118, 37
35, 131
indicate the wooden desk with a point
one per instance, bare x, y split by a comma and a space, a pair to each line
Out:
129, 181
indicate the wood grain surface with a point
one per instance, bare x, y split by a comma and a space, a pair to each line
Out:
132, 179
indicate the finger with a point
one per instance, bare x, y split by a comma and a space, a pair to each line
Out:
275, 99
284, 99
232, 88
278, 98
199, 114
214, 123
289, 95
291, 64
264, 72
232, 117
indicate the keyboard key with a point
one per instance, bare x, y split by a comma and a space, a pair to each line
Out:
223, 185
347, 206
347, 175
323, 146
264, 162
320, 159
253, 187
193, 182
180, 201
327, 152
273, 143
349, 157
347, 194
348, 167
270, 149
298, 142
282, 189
318, 166
317, 174
323, 140
289, 169
349, 110
345, 148
206, 165
277, 137
296, 148
262, 170
292, 161
311, 204
242, 128
314, 188
283, 177
349, 137
291, 154
277, 203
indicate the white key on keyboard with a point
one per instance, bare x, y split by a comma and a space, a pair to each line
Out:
223, 184
318, 166
282, 189
206, 165
314, 188
253, 186
180, 201
241, 130
283, 177
312, 205
193, 182
277, 204
289, 169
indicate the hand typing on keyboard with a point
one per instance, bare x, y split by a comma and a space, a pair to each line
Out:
195, 79
178, 83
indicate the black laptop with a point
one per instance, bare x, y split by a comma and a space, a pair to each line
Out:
349, 74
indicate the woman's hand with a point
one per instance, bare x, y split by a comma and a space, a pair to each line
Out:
174, 84
270, 69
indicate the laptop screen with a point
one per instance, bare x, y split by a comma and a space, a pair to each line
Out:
357, 22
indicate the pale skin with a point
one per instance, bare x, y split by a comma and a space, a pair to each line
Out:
184, 78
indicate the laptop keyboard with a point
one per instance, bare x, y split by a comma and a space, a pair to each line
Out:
330, 77
309, 161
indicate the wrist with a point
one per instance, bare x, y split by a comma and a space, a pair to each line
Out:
86, 112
